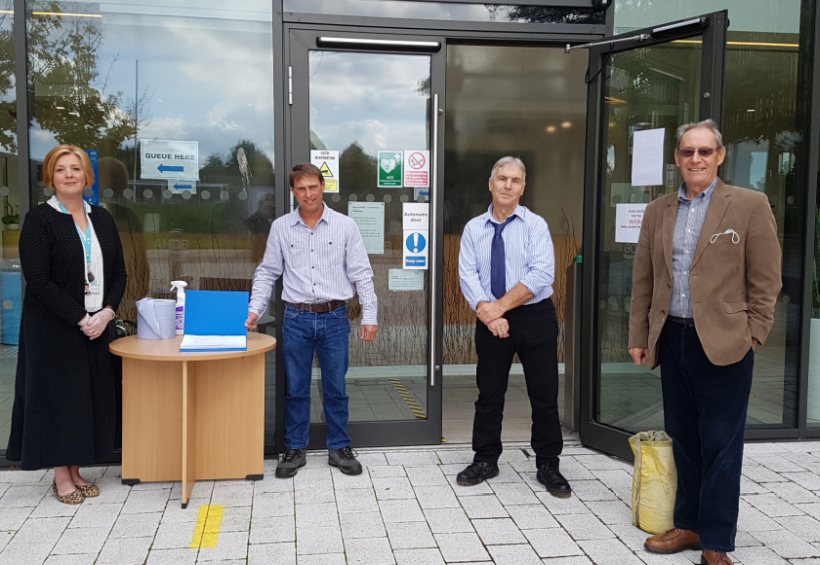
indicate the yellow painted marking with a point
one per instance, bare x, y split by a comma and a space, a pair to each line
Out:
206, 533
409, 399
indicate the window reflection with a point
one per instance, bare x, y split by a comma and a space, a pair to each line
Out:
116, 77
478, 12
763, 135
10, 277
112, 78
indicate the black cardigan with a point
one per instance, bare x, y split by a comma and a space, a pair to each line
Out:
53, 262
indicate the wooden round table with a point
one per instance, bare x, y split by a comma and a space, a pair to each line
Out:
192, 415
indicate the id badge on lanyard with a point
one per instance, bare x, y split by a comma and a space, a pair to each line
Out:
92, 284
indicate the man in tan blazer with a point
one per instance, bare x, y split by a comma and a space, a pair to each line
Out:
704, 285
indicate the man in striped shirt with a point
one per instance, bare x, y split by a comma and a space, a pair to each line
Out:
507, 268
320, 255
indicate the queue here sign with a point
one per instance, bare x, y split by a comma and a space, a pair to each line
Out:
169, 159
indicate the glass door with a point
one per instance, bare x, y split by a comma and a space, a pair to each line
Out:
364, 108
653, 79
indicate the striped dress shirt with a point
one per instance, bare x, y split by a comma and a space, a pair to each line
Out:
689, 222
528, 251
327, 262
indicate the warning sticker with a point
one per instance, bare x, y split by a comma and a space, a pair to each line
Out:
328, 163
417, 168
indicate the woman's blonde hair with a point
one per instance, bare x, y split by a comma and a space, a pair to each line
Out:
50, 163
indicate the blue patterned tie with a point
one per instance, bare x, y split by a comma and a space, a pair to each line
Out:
498, 262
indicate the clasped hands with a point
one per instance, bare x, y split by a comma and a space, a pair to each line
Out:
93, 325
490, 313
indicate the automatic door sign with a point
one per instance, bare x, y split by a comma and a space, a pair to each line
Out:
328, 163
390, 167
417, 168
169, 160
415, 225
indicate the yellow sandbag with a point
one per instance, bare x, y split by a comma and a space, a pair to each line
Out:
654, 482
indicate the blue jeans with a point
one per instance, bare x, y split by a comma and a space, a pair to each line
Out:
307, 334
704, 408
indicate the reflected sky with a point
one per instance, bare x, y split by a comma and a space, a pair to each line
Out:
372, 98
206, 77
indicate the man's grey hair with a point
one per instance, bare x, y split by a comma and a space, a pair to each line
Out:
509, 160
708, 124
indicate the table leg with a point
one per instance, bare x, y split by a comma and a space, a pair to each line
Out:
188, 434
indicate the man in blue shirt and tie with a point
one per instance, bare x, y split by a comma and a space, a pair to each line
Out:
507, 268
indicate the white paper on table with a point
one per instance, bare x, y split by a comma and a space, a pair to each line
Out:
647, 157
215, 342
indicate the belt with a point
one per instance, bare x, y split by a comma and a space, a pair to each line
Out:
318, 307
688, 322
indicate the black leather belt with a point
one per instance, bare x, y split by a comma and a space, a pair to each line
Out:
318, 307
688, 322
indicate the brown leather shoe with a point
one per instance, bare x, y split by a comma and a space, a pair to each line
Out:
673, 541
712, 557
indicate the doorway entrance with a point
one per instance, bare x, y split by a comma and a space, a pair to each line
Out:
359, 104
527, 101
369, 97
365, 99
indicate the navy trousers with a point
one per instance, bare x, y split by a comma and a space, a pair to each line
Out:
533, 336
705, 409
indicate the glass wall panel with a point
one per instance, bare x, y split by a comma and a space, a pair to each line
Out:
506, 100
377, 112
10, 278
648, 88
763, 136
132, 83
448, 11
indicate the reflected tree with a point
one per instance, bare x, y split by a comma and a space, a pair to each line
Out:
70, 92
225, 169
357, 169
8, 111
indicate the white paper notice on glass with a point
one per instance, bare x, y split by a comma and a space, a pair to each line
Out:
628, 218
647, 157
369, 216
399, 280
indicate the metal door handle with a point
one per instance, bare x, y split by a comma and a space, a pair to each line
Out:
433, 367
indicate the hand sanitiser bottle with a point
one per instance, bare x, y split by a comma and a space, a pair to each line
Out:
180, 310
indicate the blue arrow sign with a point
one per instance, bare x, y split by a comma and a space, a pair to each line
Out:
170, 168
184, 186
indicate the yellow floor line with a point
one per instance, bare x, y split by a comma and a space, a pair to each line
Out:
409, 399
206, 533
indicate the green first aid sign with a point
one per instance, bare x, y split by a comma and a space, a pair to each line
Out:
390, 169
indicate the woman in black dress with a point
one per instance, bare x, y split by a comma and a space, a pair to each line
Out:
64, 412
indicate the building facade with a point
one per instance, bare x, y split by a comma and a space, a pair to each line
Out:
194, 113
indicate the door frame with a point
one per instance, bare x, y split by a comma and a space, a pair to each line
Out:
592, 433
298, 41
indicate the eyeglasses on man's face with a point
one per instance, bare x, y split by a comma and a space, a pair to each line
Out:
689, 152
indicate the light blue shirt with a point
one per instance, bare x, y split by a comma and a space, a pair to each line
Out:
691, 215
316, 264
530, 259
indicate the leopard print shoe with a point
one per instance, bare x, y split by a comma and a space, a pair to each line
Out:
89, 491
74, 497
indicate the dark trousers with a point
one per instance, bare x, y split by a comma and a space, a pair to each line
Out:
533, 336
705, 414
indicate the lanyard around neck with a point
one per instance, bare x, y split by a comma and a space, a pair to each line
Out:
85, 237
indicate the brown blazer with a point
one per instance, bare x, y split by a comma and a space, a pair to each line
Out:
733, 287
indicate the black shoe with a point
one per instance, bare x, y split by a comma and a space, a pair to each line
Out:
549, 476
292, 459
345, 459
477, 472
